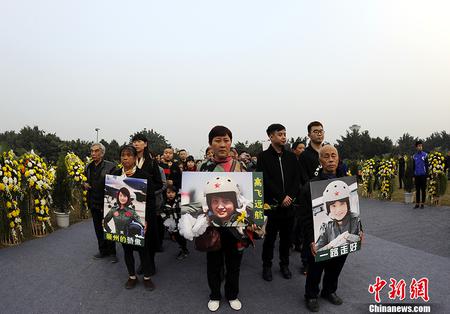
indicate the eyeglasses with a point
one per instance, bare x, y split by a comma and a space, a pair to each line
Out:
318, 131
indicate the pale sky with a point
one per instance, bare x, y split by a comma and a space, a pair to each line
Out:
181, 67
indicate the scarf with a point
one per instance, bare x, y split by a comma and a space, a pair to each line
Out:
140, 162
128, 173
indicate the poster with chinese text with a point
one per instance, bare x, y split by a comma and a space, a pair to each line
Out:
337, 224
124, 209
228, 199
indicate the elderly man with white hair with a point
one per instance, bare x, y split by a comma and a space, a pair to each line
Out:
95, 185
329, 159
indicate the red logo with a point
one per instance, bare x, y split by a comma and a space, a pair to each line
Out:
376, 288
128, 214
116, 214
419, 289
397, 289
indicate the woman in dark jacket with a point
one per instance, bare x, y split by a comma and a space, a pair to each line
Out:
128, 156
144, 161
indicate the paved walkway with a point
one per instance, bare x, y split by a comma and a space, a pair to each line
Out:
57, 274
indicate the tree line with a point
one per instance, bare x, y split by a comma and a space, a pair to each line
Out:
354, 145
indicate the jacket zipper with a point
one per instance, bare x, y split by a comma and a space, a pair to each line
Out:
282, 173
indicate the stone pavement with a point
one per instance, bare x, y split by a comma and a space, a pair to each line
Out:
57, 274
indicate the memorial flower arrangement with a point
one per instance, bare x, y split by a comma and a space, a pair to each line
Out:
10, 195
39, 180
75, 168
386, 174
438, 183
368, 175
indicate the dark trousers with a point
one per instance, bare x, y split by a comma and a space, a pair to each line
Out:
400, 180
229, 256
297, 240
277, 224
421, 185
332, 268
151, 243
105, 247
161, 231
129, 259
181, 241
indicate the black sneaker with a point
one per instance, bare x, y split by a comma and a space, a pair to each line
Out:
312, 305
417, 206
267, 273
113, 258
421, 206
333, 298
100, 255
285, 272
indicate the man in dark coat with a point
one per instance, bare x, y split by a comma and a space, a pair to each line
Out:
329, 159
309, 166
281, 184
95, 185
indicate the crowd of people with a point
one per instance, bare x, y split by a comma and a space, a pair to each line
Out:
286, 174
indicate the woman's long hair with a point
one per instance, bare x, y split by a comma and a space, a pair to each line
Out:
125, 192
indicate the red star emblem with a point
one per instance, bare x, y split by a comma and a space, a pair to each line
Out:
336, 193
217, 185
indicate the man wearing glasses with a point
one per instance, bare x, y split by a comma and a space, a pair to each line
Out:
309, 159
309, 168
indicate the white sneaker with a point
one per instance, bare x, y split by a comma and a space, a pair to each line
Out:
235, 304
213, 305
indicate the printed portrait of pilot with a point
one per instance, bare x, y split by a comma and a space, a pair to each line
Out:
126, 220
344, 225
226, 205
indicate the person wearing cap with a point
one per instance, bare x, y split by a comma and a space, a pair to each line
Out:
329, 158
145, 162
344, 223
128, 157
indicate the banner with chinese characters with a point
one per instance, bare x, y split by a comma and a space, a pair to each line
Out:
337, 224
228, 199
124, 209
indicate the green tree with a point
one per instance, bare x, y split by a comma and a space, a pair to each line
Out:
437, 141
252, 148
156, 141
406, 144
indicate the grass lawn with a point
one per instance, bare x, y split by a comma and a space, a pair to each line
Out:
398, 196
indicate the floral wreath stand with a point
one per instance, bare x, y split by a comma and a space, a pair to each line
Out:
9, 240
38, 228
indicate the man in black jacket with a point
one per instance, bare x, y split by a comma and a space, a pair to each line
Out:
281, 184
329, 159
309, 167
95, 185
309, 159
